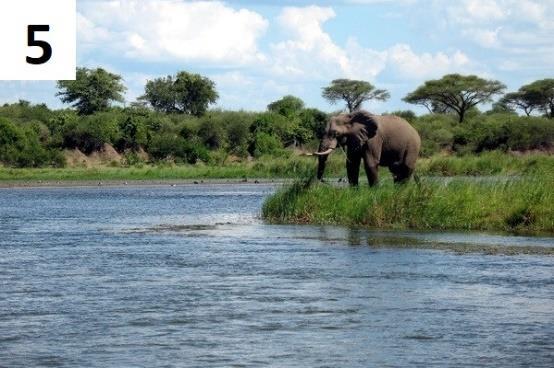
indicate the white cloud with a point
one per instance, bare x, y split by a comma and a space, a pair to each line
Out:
484, 37
308, 44
174, 30
413, 66
502, 23
312, 54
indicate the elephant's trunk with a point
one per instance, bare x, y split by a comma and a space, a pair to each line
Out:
326, 147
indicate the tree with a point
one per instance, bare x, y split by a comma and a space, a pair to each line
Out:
455, 92
93, 90
515, 100
288, 106
161, 95
353, 92
541, 95
184, 93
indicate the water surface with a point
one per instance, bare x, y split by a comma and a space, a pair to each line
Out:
189, 276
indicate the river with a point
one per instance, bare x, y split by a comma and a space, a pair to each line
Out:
190, 276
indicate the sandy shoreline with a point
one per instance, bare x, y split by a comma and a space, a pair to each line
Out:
117, 183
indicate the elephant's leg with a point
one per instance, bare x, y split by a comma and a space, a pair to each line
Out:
353, 159
401, 172
371, 166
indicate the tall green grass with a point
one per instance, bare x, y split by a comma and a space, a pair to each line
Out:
490, 163
263, 168
487, 163
521, 205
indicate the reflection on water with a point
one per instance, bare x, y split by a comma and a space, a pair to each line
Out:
190, 276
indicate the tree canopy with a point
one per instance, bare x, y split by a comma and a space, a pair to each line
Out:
540, 94
517, 100
455, 92
287, 106
185, 93
353, 92
92, 91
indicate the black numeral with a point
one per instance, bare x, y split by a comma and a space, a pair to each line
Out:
45, 46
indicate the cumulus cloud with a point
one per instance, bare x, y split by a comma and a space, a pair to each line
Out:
311, 53
413, 66
202, 31
499, 23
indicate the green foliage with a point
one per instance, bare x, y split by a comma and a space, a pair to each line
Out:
92, 91
484, 132
277, 126
21, 147
506, 132
185, 93
288, 106
212, 134
540, 94
313, 121
133, 133
436, 131
516, 100
91, 133
353, 92
167, 145
266, 144
455, 92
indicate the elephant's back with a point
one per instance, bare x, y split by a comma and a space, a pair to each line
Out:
397, 130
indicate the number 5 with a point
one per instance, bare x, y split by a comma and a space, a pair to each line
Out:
45, 46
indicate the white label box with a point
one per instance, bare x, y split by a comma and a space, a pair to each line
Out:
38, 39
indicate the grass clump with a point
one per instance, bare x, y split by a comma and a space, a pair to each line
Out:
519, 205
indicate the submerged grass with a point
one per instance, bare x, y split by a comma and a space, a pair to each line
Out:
519, 205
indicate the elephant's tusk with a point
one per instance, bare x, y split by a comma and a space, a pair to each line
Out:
324, 153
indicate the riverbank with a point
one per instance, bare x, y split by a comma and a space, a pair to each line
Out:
134, 183
520, 205
490, 163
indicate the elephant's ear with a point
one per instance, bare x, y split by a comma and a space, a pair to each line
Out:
363, 125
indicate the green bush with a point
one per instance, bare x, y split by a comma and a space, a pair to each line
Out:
266, 144
171, 146
436, 133
21, 147
505, 132
91, 132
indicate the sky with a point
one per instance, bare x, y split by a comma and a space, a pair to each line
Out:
259, 51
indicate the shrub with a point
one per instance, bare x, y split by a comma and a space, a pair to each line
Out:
266, 144
92, 132
21, 147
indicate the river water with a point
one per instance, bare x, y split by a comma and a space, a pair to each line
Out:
189, 276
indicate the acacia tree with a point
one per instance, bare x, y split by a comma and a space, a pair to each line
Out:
455, 92
185, 93
518, 100
540, 93
353, 92
93, 90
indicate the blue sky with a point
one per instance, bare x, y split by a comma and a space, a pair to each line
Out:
258, 51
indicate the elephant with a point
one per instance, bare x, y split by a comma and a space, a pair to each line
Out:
386, 140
